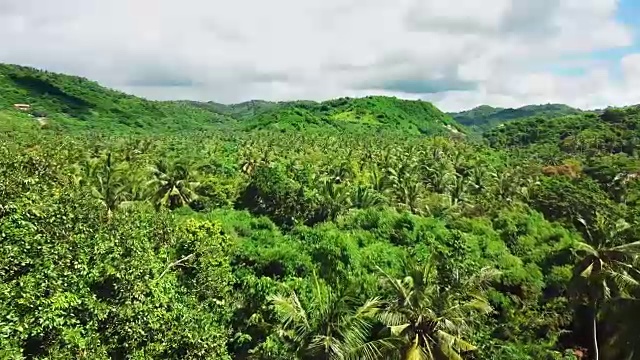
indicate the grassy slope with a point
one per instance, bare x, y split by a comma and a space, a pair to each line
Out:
77, 103
15, 121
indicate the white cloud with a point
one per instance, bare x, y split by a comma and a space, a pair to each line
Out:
631, 68
458, 53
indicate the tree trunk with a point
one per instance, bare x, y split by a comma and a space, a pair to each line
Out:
596, 352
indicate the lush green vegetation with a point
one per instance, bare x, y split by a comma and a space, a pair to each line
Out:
486, 117
349, 229
374, 113
75, 103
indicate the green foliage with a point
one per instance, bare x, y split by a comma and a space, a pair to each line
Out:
432, 320
77, 103
614, 131
310, 230
375, 113
141, 285
327, 324
485, 117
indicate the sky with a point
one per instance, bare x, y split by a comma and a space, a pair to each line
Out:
457, 54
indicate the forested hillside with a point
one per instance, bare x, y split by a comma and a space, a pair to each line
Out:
75, 103
374, 113
242, 111
349, 229
71, 102
486, 117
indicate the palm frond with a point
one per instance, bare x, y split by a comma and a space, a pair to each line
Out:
632, 248
583, 246
391, 317
289, 310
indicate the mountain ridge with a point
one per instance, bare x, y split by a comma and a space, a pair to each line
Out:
484, 117
74, 102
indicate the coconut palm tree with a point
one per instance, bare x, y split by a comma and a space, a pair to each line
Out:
458, 190
378, 180
405, 185
335, 198
605, 271
364, 197
506, 184
328, 325
430, 320
107, 181
173, 185
438, 176
479, 176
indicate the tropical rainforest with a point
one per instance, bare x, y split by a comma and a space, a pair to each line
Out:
369, 228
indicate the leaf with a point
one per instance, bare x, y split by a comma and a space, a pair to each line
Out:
397, 330
289, 309
586, 248
415, 352
587, 271
633, 248
457, 342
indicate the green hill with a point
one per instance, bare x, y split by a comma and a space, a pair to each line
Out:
243, 110
613, 130
71, 102
485, 117
78, 103
373, 112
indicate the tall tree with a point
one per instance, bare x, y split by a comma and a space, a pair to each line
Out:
335, 198
173, 185
605, 271
107, 181
328, 325
432, 320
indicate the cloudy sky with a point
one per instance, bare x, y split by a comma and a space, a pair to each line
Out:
456, 53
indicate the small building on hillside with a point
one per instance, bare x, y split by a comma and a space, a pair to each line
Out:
22, 107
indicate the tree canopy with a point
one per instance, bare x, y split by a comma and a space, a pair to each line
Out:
370, 228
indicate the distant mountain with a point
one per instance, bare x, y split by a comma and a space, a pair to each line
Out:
75, 102
485, 117
241, 111
372, 112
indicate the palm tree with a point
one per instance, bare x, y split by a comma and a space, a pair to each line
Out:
604, 270
85, 171
364, 197
438, 176
430, 320
328, 325
458, 190
111, 187
335, 199
250, 159
479, 175
173, 185
506, 184
107, 181
378, 180
405, 185
134, 148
